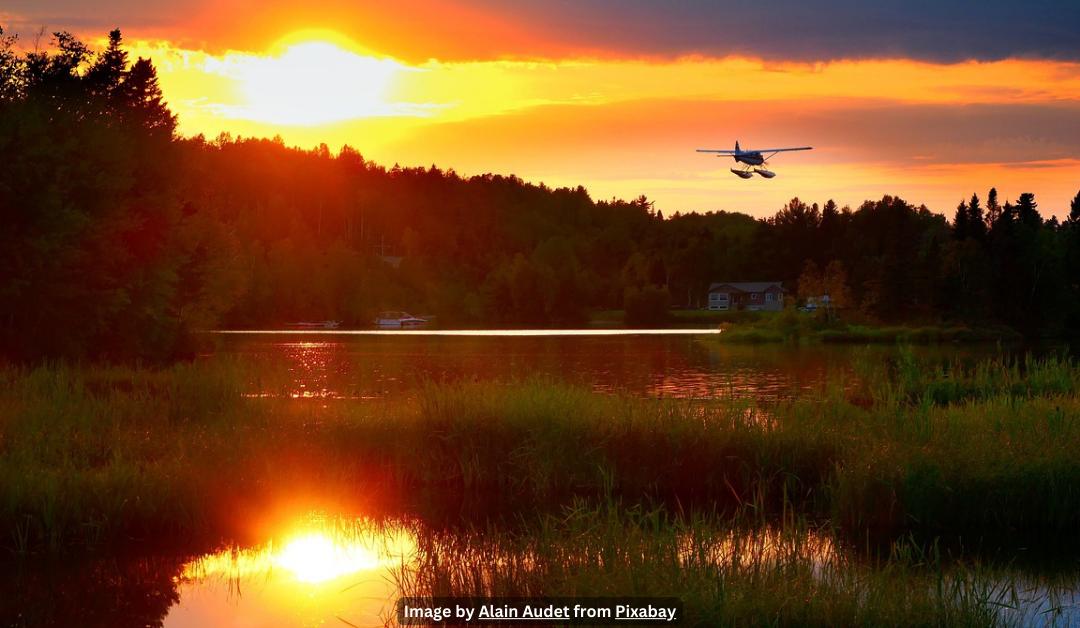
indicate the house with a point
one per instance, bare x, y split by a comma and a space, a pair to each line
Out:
755, 295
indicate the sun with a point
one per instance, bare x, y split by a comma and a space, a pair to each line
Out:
312, 78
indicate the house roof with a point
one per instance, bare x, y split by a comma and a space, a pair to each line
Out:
748, 286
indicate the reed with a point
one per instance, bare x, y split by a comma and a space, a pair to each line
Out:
90, 456
539, 438
87, 455
790, 574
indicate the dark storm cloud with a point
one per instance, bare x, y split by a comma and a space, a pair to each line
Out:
932, 30
802, 30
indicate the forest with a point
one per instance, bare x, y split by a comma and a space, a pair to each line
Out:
122, 237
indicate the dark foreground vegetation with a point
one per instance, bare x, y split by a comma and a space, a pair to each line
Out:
788, 574
121, 236
819, 510
90, 457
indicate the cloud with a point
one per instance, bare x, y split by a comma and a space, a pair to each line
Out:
932, 153
617, 94
27, 17
933, 135
932, 30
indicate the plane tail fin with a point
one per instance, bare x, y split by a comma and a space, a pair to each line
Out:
736, 146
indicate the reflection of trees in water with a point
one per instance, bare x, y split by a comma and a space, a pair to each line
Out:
113, 592
368, 367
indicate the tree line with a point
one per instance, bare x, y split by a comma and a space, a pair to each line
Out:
121, 237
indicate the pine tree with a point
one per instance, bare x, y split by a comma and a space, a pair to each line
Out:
993, 208
960, 229
976, 224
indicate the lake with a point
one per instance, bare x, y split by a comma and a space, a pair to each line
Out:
328, 567
676, 363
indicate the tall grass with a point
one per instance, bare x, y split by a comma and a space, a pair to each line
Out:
92, 456
726, 575
86, 455
539, 439
909, 379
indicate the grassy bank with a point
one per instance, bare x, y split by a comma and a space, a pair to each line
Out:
96, 456
772, 332
787, 574
793, 327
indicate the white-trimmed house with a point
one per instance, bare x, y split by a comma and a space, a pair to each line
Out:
749, 295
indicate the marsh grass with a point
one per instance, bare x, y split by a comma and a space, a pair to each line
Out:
791, 327
789, 574
91, 457
911, 380
87, 454
541, 439
904, 335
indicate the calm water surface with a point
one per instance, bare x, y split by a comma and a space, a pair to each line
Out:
368, 365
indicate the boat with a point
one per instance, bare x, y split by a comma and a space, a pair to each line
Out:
323, 324
396, 319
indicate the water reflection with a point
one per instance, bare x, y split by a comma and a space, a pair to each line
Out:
365, 366
350, 571
321, 572
116, 591
767, 547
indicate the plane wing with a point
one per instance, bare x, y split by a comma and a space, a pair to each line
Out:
780, 150
754, 150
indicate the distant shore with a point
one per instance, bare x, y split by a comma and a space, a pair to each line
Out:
802, 327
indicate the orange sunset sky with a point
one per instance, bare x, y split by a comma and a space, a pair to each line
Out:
929, 101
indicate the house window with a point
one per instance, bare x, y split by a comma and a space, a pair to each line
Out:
768, 297
753, 297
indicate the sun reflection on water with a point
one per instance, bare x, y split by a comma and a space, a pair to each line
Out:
324, 570
316, 558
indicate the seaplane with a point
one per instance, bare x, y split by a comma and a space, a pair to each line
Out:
754, 161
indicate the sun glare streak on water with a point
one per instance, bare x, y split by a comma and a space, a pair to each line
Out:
479, 332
